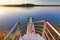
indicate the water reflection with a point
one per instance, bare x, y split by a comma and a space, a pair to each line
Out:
10, 15
1, 10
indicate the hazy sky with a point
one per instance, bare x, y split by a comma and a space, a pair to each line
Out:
30, 1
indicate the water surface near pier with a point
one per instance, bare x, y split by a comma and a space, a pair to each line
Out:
10, 15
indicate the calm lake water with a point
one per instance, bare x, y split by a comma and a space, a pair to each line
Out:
10, 15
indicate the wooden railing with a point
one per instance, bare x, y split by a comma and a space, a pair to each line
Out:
50, 32
47, 30
10, 32
44, 28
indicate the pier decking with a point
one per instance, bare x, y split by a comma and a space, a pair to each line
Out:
32, 37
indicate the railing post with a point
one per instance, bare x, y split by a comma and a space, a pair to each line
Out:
44, 27
19, 27
18, 32
6, 38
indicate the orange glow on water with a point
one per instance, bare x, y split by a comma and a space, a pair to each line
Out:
1, 11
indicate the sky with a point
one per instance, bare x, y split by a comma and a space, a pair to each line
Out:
30, 1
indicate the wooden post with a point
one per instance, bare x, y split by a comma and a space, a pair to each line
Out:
44, 27
18, 32
19, 27
6, 38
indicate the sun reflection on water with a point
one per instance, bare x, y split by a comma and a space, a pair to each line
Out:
1, 10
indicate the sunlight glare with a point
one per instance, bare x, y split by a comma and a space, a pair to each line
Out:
1, 10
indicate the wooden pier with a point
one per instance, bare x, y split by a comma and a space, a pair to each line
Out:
43, 28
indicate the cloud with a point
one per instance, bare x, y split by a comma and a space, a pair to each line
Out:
29, 1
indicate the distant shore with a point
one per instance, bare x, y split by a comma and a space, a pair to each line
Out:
24, 5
